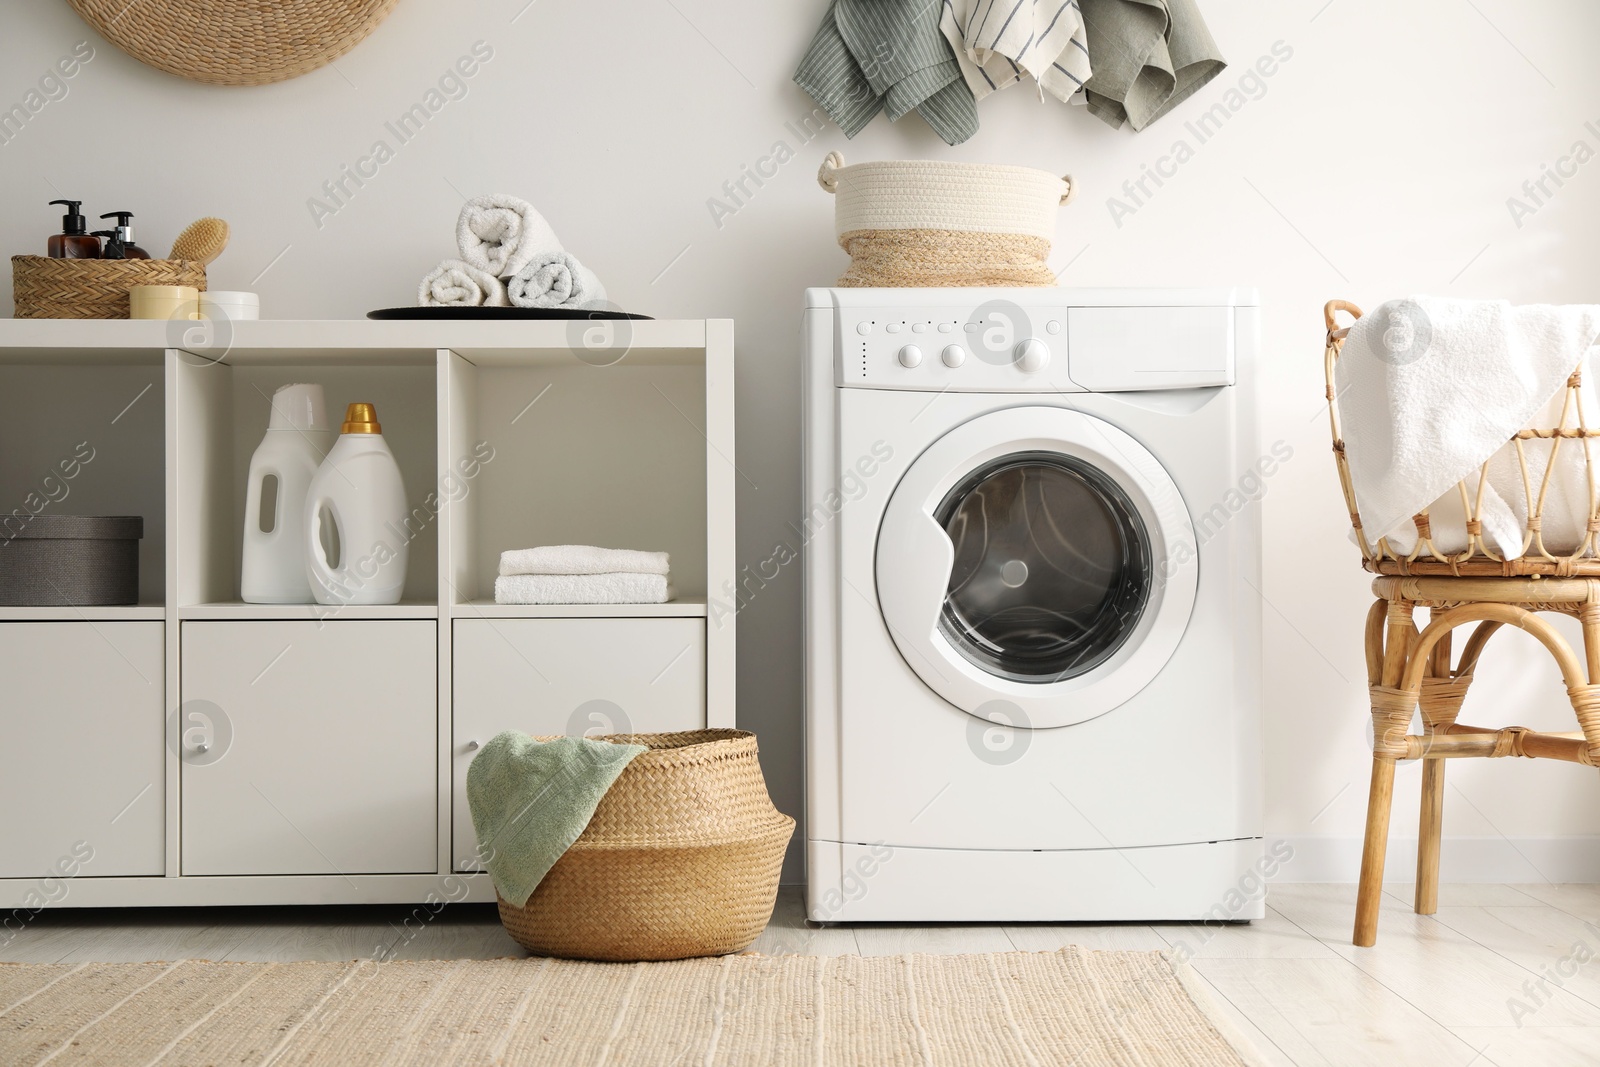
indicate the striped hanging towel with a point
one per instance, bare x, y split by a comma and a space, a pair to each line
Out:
998, 41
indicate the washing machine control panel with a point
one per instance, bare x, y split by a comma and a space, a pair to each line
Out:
1000, 349
1003, 346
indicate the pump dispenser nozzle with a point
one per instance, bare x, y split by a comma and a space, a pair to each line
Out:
125, 236
72, 223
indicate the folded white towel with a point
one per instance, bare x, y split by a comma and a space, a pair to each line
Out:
996, 44
457, 284
555, 280
582, 589
1430, 388
501, 234
581, 559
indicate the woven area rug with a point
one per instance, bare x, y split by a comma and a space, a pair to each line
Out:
1087, 1009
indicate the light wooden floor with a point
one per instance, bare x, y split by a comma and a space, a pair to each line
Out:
1442, 991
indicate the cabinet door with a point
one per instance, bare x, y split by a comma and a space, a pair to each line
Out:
320, 747
82, 765
569, 676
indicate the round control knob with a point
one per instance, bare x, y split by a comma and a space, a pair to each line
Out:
953, 356
1032, 355
910, 356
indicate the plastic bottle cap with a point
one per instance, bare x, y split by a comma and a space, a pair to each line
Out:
361, 418
298, 407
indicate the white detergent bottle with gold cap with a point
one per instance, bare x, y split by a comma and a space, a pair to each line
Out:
281, 470
355, 530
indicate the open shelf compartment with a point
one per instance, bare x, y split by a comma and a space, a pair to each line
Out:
222, 410
569, 452
85, 436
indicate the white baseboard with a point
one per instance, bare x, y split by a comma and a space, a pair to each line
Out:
1461, 859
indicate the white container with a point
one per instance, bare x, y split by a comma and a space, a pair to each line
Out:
355, 529
229, 306
939, 194
298, 436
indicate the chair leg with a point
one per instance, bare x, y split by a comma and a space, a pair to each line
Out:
1370, 890
1428, 835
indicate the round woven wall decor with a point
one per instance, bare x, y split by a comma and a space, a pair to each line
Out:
235, 42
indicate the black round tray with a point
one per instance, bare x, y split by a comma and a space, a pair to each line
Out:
513, 313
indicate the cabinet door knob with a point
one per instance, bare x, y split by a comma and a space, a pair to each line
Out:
472, 746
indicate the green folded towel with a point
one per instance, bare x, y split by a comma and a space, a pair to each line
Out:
530, 801
874, 55
1148, 56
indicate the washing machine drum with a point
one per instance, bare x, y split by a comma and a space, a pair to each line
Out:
1036, 567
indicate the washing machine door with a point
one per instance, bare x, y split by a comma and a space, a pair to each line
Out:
1036, 566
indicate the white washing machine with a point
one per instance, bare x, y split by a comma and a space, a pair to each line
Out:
1032, 610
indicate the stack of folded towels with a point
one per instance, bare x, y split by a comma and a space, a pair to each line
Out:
509, 256
582, 574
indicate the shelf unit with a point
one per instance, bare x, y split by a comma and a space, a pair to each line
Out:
336, 739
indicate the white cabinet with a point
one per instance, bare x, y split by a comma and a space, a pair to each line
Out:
320, 750
569, 676
81, 761
334, 755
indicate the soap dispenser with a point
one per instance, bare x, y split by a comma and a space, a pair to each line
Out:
73, 242
125, 235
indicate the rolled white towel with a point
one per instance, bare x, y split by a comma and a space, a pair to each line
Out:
457, 284
501, 234
582, 589
555, 280
581, 559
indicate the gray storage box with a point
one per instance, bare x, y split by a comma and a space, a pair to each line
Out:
70, 560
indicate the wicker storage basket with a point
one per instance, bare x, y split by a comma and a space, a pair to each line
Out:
936, 223
680, 859
46, 288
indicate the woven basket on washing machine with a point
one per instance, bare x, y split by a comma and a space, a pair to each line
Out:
923, 222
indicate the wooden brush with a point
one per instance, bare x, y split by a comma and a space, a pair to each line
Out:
202, 241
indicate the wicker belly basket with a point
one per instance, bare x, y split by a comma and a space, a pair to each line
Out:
681, 858
926, 222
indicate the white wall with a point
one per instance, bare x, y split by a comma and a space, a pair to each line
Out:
1376, 162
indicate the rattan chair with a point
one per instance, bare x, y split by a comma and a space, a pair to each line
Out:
1407, 667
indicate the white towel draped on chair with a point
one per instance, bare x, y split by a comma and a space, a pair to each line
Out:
1431, 388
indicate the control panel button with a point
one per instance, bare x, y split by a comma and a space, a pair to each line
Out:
893, 327
863, 328
953, 355
919, 327
946, 327
910, 356
1053, 326
1033, 355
